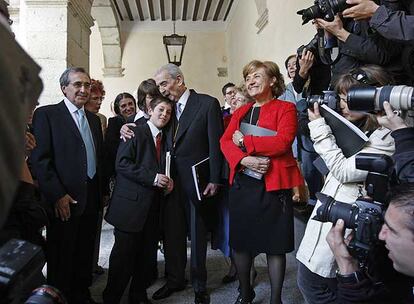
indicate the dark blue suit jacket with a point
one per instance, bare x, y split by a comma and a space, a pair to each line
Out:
59, 159
136, 167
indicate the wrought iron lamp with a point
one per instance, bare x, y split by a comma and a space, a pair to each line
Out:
174, 45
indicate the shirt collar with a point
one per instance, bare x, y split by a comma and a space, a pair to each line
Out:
184, 98
140, 114
71, 107
153, 128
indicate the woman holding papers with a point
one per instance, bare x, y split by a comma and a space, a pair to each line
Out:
261, 214
135, 205
317, 268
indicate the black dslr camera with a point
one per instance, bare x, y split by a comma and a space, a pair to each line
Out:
365, 215
325, 9
329, 98
21, 263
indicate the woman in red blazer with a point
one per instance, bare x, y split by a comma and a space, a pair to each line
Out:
261, 211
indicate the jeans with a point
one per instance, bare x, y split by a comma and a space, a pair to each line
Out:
314, 288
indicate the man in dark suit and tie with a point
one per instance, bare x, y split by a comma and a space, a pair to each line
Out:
193, 135
67, 163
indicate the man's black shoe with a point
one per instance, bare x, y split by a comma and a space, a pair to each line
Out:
201, 298
165, 292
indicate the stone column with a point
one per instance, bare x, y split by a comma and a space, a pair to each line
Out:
56, 34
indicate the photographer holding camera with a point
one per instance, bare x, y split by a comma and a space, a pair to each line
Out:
404, 144
316, 268
395, 25
358, 46
354, 284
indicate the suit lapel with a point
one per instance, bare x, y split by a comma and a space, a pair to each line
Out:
188, 115
68, 118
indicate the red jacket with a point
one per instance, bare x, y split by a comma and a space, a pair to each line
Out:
275, 115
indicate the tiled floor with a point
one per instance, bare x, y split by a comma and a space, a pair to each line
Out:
217, 267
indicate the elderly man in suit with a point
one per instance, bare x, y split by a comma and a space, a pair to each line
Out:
193, 135
67, 164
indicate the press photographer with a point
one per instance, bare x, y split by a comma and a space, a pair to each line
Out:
20, 214
358, 285
357, 44
395, 24
316, 270
404, 144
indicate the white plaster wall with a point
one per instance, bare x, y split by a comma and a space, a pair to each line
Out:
279, 38
144, 53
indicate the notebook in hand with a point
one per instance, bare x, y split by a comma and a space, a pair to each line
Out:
249, 129
348, 136
201, 176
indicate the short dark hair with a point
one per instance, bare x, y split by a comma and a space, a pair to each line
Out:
227, 85
147, 87
64, 78
403, 197
118, 99
160, 99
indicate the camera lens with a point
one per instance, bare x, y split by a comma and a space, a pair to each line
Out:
331, 211
46, 294
361, 98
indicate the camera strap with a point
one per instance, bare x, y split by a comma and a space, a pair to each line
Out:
325, 54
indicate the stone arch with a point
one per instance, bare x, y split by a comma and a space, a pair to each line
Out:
104, 14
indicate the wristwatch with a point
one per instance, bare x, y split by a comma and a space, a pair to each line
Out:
241, 142
351, 278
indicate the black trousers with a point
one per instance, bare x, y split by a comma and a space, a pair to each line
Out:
132, 258
179, 216
70, 247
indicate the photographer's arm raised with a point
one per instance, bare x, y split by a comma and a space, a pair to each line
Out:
342, 168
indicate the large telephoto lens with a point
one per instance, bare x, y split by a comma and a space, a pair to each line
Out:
368, 99
331, 211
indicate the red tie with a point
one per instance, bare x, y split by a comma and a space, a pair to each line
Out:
158, 146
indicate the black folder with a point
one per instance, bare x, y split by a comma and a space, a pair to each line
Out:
201, 176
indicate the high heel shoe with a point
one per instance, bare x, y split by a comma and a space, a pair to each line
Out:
240, 299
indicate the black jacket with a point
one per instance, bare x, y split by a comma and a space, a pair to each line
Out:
404, 154
59, 159
136, 168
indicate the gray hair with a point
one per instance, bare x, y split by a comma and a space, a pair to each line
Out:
171, 70
64, 78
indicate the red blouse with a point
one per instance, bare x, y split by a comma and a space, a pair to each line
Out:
276, 115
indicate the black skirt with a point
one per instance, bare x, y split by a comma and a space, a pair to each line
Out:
260, 221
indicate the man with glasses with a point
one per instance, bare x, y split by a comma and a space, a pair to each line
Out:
67, 163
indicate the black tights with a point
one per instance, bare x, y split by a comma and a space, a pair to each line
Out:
276, 265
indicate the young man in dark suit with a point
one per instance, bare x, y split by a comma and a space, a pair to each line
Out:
67, 163
135, 206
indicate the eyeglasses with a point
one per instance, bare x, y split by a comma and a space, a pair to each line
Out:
79, 84
231, 92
